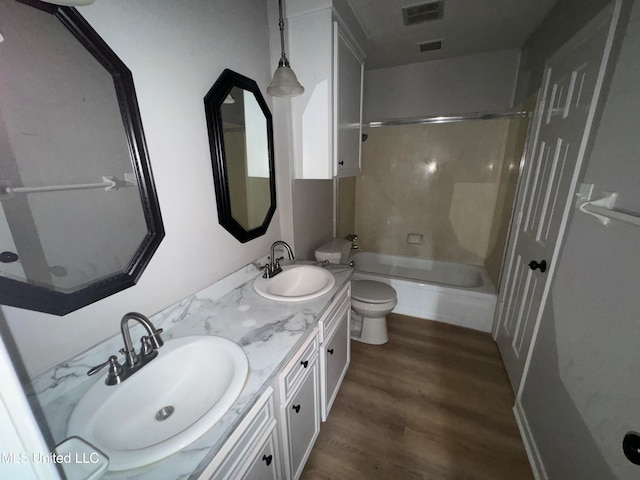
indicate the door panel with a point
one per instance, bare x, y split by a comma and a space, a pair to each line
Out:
563, 118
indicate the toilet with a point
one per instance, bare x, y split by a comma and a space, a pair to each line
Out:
371, 301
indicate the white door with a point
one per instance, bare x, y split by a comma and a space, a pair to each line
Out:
563, 119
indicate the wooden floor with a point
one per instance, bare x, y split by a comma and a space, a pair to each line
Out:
434, 403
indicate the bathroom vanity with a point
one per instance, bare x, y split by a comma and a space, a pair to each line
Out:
298, 354
300, 395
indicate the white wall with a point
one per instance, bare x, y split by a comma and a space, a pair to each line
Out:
475, 83
176, 51
582, 389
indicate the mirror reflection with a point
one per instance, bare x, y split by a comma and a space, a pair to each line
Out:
72, 211
240, 133
247, 157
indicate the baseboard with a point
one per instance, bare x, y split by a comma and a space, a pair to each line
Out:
537, 467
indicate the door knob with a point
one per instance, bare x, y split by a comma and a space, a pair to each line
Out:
542, 266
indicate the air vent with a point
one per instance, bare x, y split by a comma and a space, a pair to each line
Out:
430, 45
425, 12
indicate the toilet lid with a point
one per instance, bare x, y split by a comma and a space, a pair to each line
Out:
372, 292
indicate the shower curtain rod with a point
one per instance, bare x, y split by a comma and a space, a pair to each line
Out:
448, 118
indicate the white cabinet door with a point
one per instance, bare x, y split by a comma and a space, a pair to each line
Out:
241, 452
334, 361
264, 464
348, 71
326, 119
302, 422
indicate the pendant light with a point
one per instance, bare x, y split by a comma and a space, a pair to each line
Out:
284, 83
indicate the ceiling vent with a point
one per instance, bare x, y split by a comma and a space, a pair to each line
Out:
430, 45
425, 12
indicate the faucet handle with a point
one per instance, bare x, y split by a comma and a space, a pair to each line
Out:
267, 270
115, 369
156, 340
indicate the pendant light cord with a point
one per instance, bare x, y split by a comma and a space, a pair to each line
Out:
284, 62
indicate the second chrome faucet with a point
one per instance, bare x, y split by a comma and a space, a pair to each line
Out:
273, 268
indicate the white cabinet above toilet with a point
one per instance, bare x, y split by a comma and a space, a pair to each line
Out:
327, 118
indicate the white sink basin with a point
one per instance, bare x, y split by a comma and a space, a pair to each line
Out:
199, 377
295, 283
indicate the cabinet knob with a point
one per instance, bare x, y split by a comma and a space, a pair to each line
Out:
341, 162
267, 459
330, 351
304, 363
296, 408
8, 257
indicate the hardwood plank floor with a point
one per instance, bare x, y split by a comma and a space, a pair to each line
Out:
434, 403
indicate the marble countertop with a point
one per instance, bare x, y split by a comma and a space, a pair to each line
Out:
268, 331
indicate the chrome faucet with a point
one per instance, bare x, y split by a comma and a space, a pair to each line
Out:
273, 268
149, 345
153, 343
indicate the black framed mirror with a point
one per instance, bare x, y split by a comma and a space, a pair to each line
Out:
241, 142
79, 214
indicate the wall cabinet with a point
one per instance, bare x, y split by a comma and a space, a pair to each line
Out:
327, 118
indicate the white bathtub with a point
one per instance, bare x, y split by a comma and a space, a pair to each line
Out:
446, 292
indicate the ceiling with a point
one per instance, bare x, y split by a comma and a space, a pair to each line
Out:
467, 27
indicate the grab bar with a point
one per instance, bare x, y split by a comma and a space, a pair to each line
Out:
603, 210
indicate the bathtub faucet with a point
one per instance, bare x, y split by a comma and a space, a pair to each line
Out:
353, 238
273, 268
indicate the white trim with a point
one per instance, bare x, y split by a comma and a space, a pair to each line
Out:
613, 15
349, 37
18, 427
535, 460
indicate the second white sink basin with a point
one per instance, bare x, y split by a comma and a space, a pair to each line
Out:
166, 405
295, 283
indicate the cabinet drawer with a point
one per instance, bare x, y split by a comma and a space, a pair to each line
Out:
302, 423
261, 418
334, 361
293, 374
332, 317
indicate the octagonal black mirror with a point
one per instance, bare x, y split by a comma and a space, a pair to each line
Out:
79, 216
241, 142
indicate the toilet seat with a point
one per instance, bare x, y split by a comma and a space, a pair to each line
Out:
369, 291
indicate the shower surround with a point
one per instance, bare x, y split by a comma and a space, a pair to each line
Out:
452, 183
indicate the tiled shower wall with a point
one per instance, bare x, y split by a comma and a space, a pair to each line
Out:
440, 181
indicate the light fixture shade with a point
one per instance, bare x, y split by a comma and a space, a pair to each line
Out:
284, 83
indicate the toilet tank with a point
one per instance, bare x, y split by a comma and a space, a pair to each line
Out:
334, 251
